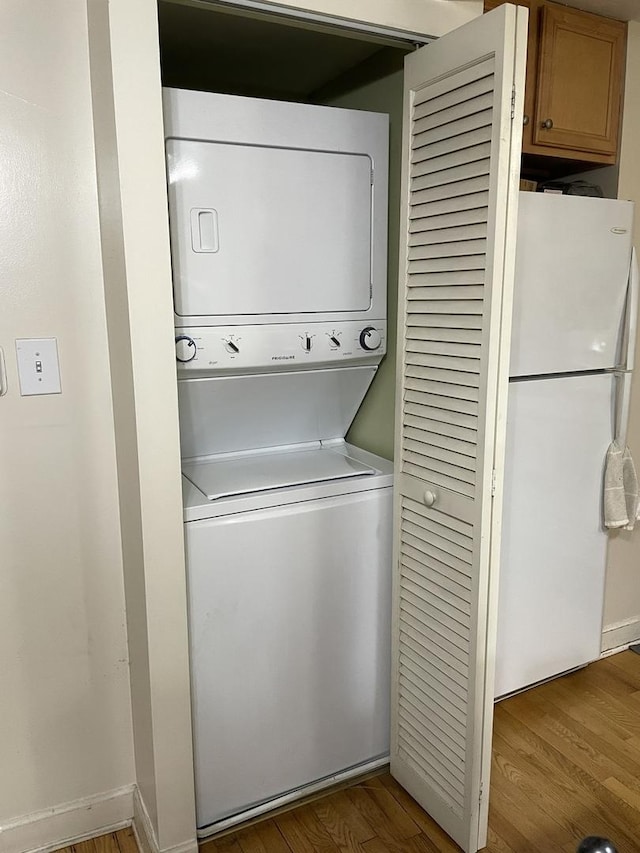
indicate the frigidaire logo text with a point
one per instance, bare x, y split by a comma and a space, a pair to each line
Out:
282, 357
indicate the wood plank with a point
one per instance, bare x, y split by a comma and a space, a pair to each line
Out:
84, 846
226, 844
126, 840
263, 837
429, 827
315, 830
303, 838
346, 827
509, 788
628, 661
393, 835
106, 844
557, 796
532, 829
405, 826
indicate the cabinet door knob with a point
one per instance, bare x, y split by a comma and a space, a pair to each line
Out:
430, 497
525, 120
548, 124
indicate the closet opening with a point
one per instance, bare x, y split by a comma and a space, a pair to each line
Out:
239, 51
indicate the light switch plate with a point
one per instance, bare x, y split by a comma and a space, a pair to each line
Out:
38, 369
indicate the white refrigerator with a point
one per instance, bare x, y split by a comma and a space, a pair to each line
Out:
570, 370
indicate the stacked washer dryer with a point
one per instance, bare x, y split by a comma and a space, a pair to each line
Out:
278, 231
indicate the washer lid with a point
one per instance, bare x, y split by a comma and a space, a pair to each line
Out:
258, 472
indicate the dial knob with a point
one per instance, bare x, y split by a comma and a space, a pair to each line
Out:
231, 346
186, 348
306, 343
370, 339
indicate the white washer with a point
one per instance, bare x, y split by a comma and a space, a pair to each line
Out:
278, 230
289, 613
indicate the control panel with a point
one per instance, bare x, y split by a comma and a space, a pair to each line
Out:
269, 347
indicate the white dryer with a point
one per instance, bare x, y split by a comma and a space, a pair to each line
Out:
278, 228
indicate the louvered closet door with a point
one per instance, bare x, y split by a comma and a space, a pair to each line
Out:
462, 150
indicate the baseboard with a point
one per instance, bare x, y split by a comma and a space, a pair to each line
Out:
620, 635
145, 834
69, 823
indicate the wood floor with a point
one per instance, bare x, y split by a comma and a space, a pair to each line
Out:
122, 841
566, 764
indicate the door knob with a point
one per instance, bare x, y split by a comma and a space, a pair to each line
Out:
430, 497
525, 120
548, 124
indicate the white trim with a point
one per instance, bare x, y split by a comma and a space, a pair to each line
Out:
68, 823
298, 794
620, 635
145, 834
361, 27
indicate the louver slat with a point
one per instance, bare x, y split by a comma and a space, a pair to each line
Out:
450, 533
440, 747
442, 321
433, 722
444, 93
430, 419
446, 177
444, 335
465, 201
451, 160
433, 634
455, 143
456, 189
446, 132
465, 411
448, 115
448, 250
418, 343
453, 220
442, 440
442, 291
440, 237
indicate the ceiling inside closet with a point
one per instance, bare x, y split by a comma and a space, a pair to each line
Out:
222, 50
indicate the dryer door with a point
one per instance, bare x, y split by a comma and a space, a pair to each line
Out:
264, 230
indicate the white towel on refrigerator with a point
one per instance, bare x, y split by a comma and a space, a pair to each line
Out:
620, 488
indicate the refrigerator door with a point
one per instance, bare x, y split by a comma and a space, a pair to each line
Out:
572, 267
553, 543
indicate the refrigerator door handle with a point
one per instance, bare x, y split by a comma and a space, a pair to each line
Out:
631, 314
622, 404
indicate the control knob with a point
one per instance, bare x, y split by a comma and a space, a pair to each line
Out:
370, 339
186, 348
231, 346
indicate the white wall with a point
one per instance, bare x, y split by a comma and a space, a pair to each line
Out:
65, 730
373, 427
622, 594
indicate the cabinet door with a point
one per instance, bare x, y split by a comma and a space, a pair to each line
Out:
462, 138
580, 71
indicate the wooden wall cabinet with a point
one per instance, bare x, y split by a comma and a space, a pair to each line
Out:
575, 73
